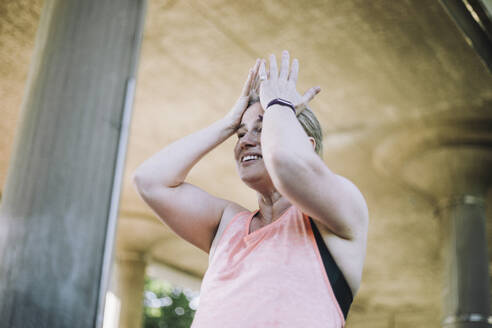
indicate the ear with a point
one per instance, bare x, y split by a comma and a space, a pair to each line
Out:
313, 142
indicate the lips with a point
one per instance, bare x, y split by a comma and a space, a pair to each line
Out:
250, 157
250, 163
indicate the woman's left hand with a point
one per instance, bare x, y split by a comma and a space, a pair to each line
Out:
283, 84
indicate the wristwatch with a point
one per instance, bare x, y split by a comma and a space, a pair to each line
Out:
281, 102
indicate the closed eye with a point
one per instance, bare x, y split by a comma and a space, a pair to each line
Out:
241, 134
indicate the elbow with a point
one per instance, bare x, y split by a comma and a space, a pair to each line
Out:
145, 187
140, 182
147, 183
136, 179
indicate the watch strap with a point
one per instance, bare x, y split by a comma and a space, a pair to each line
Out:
281, 102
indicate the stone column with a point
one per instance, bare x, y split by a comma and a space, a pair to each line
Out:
60, 201
130, 280
466, 290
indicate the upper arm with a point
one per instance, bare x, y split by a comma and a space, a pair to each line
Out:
189, 211
325, 196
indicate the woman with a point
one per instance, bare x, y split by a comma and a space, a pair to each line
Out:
267, 268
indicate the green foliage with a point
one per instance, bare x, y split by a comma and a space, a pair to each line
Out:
166, 306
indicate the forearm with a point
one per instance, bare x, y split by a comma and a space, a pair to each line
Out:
170, 166
283, 138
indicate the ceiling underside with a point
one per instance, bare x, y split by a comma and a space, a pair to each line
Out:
382, 65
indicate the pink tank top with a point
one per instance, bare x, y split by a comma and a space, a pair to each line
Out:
273, 277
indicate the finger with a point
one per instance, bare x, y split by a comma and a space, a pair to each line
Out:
256, 85
310, 94
284, 66
294, 71
255, 75
273, 67
247, 84
262, 71
266, 69
256, 68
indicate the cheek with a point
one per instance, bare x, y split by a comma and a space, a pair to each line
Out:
236, 149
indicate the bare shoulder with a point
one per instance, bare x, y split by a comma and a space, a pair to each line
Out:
230, 211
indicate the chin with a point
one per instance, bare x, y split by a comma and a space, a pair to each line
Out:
250, 178
254, 179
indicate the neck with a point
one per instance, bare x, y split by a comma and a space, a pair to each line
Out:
272, 204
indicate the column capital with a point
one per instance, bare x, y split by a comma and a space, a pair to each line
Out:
463, 199
439, 160
466, 318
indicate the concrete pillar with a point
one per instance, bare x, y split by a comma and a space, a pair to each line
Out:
466, 296
130, 279
440, 161
60, 200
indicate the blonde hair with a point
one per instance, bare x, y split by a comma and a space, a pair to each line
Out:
311, 125
308, 120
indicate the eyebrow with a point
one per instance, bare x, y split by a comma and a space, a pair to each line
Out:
260, 119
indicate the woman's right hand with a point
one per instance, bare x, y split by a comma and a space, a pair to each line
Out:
236, 113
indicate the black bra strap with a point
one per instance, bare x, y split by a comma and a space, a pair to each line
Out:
342, 291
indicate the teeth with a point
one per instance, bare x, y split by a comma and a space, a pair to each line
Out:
250, 157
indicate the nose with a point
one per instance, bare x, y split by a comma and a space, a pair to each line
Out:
248, 140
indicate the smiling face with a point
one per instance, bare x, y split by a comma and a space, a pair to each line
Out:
247, 152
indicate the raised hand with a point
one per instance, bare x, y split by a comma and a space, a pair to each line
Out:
235, 114
282, 84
